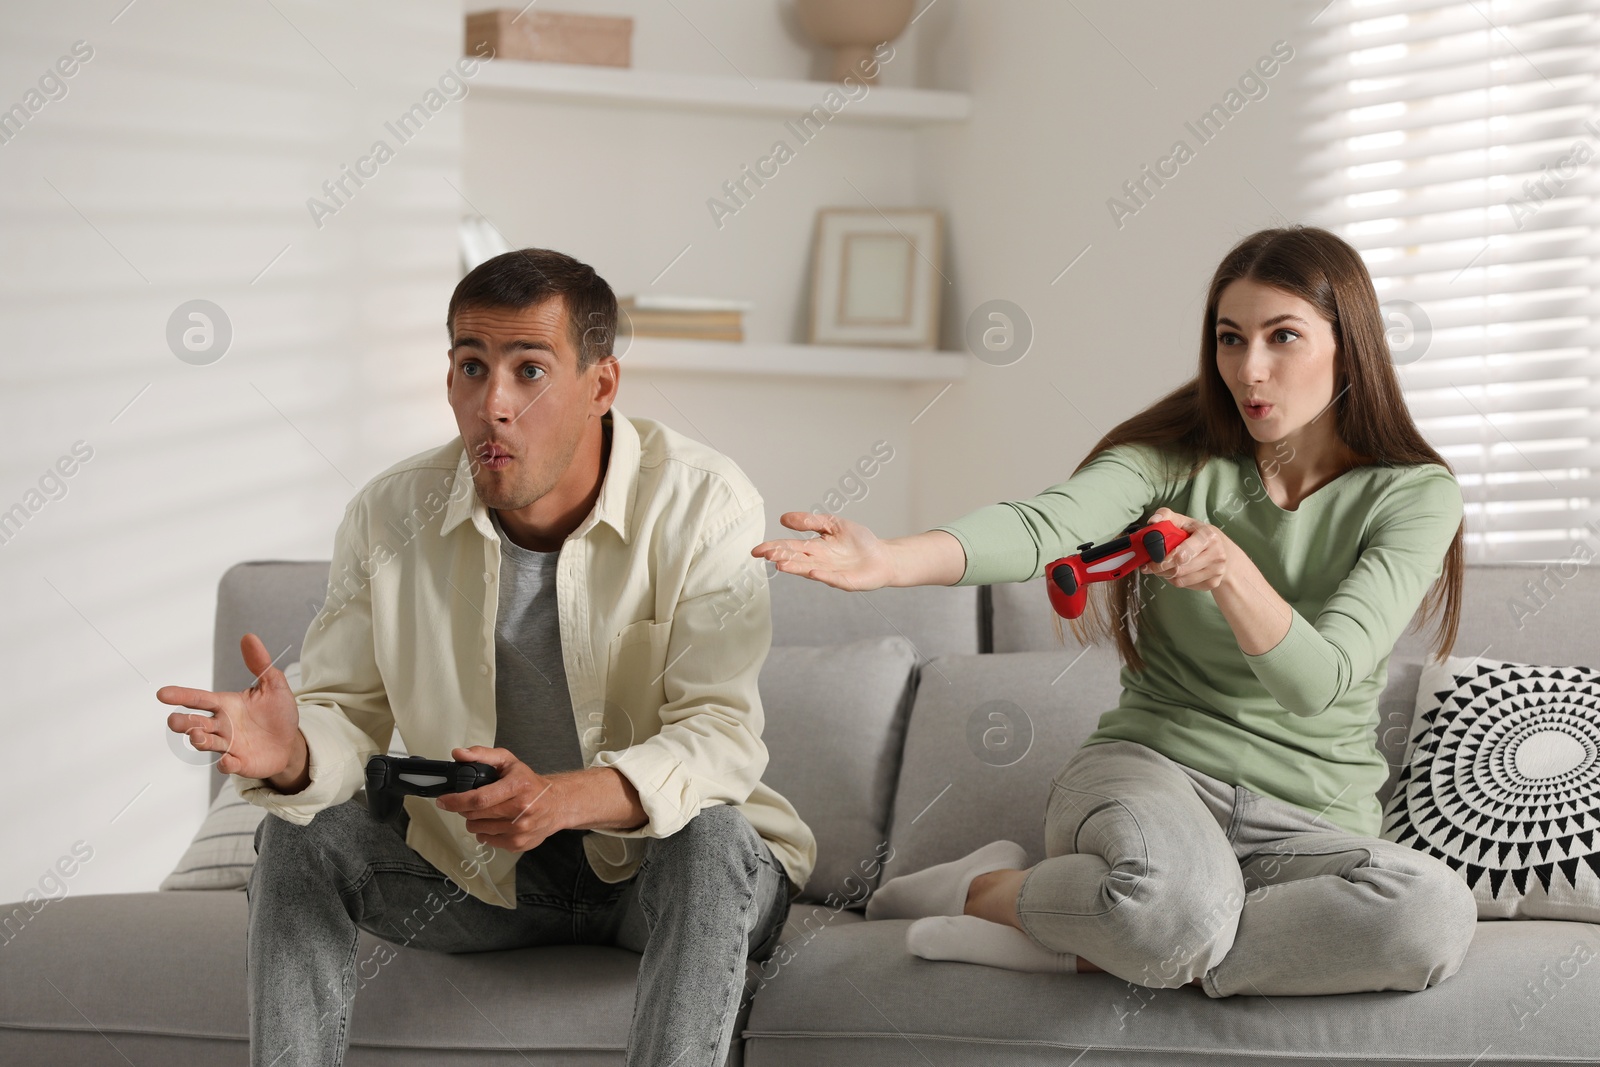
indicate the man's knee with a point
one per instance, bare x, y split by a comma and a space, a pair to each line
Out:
332, 832
718, 831
276, 837
716, 847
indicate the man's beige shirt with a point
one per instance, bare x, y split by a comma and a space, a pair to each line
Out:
665, 623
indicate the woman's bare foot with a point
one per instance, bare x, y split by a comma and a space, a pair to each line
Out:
993, 896
1085, 967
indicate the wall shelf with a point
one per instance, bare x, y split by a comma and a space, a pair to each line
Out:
798, 361
713, 93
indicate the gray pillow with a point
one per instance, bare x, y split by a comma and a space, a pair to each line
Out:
835, 718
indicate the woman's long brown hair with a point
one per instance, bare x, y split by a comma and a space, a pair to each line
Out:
1199, 419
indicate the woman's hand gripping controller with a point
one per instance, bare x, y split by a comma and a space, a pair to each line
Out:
1068, 579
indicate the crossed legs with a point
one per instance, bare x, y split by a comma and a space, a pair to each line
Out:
1140, 879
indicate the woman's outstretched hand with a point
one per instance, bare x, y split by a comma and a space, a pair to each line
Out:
1200, 562
844, 554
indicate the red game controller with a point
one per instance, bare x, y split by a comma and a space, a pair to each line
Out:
1068, 578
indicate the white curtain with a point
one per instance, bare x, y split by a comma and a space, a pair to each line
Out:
1457, 146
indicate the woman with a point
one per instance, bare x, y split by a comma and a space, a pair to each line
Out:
1219, 826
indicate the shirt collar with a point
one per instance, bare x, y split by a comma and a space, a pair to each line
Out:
613, 506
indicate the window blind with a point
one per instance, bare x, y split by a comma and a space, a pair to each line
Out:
1457, 147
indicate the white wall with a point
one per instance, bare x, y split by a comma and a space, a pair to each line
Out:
192, 139
625, 189
178, 166
1067, 107
1070, 101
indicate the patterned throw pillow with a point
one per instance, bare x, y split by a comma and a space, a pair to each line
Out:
1502, 782
224, 849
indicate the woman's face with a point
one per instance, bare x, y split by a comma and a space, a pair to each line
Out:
1275, 349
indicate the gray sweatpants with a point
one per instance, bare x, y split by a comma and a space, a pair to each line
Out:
704, 900
1159, 873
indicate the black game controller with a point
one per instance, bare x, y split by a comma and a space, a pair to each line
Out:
391, 777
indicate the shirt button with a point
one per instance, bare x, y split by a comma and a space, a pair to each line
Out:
483, 668
488, 577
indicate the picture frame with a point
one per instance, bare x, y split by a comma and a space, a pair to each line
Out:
876, 277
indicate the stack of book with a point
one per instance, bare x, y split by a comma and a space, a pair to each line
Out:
688, 318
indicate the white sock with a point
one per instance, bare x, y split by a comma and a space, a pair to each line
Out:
969, 939
942, 890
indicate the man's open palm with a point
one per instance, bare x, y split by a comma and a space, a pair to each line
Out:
254, 731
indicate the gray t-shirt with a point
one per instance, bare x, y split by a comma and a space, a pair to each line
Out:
533, 706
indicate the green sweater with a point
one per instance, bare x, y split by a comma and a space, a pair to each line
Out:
1354, 560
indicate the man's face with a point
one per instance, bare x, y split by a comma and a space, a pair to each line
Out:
520, 402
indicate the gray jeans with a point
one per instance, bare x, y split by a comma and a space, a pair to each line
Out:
1158, 874
704, 900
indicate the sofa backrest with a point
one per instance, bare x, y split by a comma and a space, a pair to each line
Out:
986, 735
1515, 610
986, 732
937, 621
835, 722
274, 599
1528, 612
278, 599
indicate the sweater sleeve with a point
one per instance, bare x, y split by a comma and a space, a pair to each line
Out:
1316, 663
1013, 541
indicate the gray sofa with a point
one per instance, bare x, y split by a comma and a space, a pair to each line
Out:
883, 730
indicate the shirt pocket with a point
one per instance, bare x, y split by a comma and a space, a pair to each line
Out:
635, 683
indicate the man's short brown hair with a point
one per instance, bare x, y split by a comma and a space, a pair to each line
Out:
531, 276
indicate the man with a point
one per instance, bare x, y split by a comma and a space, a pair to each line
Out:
567, 595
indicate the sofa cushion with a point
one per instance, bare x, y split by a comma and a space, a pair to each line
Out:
986, 735
172, 964
1502, 782
1395, 708
835, 721
1525, 994
937, 620
276, 600
1021, 619
160, 978
1528, 612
